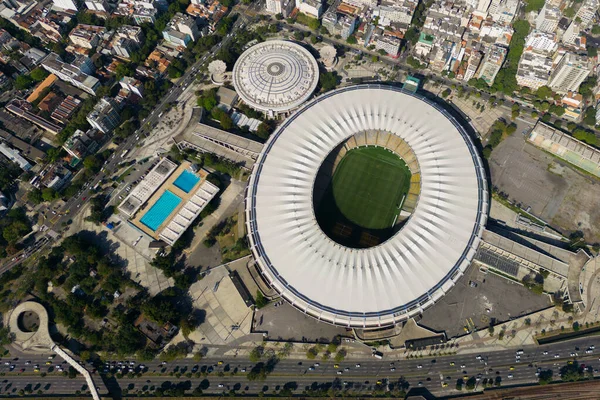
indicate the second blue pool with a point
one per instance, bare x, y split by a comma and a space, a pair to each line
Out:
186, 181
163, 207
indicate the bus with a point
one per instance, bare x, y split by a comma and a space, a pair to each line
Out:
124, 153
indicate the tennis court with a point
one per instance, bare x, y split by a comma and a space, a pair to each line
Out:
369, 185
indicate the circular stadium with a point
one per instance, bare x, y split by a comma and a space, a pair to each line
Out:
366, 206
275, 76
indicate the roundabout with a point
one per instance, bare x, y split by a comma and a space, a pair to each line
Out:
439, 205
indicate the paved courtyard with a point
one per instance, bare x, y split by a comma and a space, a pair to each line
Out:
226, 316
123, 242
566, 199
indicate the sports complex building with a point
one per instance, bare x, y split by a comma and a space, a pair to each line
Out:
168, 200
275, 76
366, 206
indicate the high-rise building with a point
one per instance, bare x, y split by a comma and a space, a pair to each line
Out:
503, 11
491, 64
127, 39
78, 73
97, 5
181, 30
569, 73
66, 4
86, 36
586, 12
534, 70
472, 65
105, 115
312, 8
541, 42
274, 6
548, 18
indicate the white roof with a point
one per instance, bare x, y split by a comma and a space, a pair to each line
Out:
276, 75
398, 278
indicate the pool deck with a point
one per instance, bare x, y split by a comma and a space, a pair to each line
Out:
167, 185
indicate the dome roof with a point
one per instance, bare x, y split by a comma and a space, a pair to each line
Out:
276, 76
396, 279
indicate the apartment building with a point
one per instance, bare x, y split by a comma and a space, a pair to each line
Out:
569, 73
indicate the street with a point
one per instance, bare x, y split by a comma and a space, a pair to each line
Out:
359, 373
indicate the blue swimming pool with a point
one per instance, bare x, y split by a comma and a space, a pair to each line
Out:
163, 207
186, 181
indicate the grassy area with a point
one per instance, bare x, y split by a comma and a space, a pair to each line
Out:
232, 246
125, 174
369, 185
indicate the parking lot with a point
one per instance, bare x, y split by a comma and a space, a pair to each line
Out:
556, 193
489, 296
284, 322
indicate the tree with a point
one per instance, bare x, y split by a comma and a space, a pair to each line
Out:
446, 92
35, 196
23, 82
225, 121
545, 376
256, 353
92, 163
260, 300
569, 12
571, 372
49, 194
544, 92
329, 81
534, 5
314, 24
592, 50
38, 74
596, 29
585, 136
351, 39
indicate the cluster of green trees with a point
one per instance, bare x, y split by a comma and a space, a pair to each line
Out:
413, 62
14, 225
329, 80
418, 19
497, 132
506, 81
28, 80
70, 264
534, 282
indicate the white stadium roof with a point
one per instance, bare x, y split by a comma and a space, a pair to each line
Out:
275, 75
398, 278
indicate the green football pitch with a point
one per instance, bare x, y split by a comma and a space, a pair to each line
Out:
369, 185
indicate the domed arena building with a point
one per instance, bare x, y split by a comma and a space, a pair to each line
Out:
275, 76
366, 206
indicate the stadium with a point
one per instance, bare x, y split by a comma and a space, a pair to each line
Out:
366, 206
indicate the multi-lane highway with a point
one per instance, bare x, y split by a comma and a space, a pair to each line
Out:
439, 375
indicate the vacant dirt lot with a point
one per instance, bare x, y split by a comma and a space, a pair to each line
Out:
563, 197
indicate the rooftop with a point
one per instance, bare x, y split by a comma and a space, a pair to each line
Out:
275, 75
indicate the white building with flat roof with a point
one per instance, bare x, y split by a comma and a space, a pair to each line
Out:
548, 18
541, 42
14, 156
534, 70
569, 73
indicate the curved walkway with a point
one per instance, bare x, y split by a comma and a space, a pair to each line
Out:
40, 340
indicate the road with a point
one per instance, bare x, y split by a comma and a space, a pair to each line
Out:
427, 372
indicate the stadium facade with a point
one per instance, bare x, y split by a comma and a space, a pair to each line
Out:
390, 281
